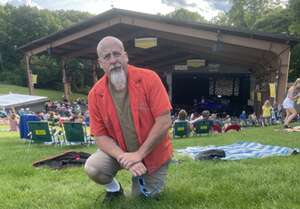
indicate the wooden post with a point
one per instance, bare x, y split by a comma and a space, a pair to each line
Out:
94, 67
284, 61
65, 81
169, 77
29, 75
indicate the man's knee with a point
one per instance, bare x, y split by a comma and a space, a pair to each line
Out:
96, 174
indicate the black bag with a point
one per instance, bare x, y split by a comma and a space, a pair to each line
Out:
67, 159
210, 154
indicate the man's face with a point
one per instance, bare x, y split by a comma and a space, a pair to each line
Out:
112, 56
113, 59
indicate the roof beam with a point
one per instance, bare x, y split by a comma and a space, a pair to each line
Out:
92, 48
206, 35
75, 36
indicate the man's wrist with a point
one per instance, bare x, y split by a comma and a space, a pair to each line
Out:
141, 155
118, 156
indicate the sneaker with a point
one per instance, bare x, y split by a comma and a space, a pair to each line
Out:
111, 196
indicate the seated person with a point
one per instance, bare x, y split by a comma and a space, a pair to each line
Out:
182, 117
194, 116
243, 118
13, 122
204, 120
227, 121
253, 119
216, 120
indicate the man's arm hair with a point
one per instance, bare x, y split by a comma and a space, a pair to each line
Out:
157, 134
109, 146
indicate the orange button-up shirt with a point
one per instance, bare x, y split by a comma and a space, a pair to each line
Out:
148, 100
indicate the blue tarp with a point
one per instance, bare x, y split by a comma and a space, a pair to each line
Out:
242, 150
23, 125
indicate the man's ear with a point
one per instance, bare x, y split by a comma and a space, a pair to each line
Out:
126, 56
99, 62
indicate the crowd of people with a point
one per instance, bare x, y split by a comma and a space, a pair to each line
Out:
271, 115
56, 112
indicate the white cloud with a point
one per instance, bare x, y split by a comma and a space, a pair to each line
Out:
203, 7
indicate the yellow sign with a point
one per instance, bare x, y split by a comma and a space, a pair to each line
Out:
40, 132
34, 78
180, 129
258, 95
272, 90
195, 63
298, 100
145, 43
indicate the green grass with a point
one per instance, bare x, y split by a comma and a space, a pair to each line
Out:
51, 94
256, 183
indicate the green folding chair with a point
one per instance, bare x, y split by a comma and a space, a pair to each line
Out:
202, 127
181, 129
75, 133
40, 132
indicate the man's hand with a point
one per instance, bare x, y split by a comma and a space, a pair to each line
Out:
138, 169
128, 159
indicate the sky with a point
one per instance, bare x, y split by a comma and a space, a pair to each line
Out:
207, 8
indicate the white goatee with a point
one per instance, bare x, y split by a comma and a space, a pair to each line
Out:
118, 78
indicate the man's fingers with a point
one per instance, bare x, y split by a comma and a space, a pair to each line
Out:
138, 169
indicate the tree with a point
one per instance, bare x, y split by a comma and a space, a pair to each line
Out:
277, 21
186, 15
22, 25
245, 13
294, 28
294, 9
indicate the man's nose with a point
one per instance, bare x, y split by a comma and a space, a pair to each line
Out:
113, 59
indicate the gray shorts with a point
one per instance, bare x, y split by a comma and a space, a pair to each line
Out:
102, 168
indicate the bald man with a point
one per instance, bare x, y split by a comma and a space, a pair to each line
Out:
130, 117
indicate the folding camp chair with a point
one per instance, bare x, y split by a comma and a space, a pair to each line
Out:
181, 129
232, 127
75, 133
202, 127
39, 132
216, 128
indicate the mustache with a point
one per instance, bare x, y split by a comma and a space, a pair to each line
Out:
115, 67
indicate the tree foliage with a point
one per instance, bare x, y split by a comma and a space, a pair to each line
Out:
21, 25
266, 16
186, 15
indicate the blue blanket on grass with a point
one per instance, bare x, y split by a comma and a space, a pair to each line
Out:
242, 150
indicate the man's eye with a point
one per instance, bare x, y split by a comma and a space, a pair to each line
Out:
106, 57
116, 54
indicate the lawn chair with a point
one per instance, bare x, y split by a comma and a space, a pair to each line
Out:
232, 127
202, 127
181, 129
216, 128
75, 133
40, 132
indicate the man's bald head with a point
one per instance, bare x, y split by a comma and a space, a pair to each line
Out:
113, 60
108, 41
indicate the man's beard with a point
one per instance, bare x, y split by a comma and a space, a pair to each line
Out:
118, 77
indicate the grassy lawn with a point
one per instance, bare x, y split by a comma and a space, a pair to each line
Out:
51, 94
257, 183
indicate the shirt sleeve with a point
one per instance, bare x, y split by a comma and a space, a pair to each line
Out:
96, 122
158, 98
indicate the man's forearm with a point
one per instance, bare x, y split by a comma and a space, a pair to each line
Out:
156, 135
109, 146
